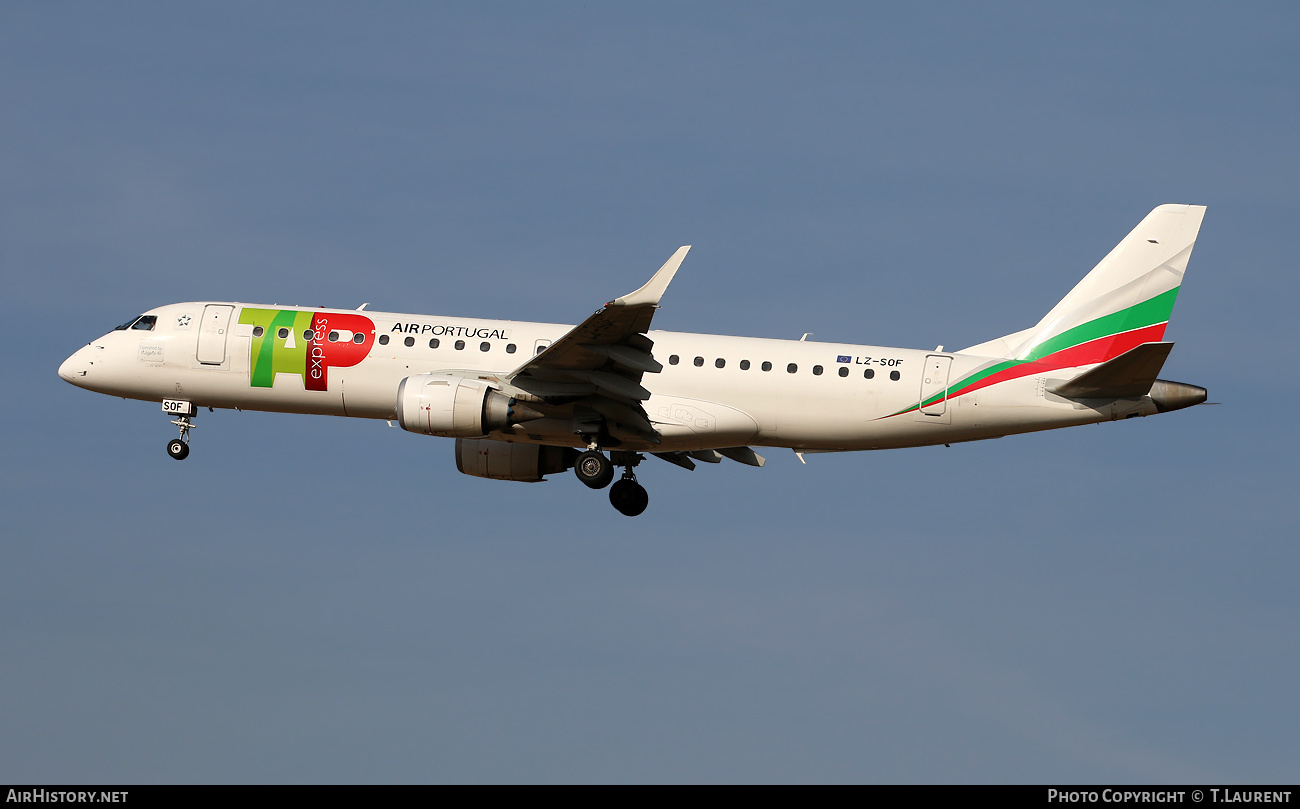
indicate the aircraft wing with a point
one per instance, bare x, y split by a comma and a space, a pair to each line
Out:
599, 364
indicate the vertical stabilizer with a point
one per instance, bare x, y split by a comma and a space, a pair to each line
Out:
1125, 301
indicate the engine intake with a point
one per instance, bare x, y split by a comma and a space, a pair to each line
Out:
456, 407
504, 460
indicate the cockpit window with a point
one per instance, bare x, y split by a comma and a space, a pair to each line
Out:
127, 324
145, 323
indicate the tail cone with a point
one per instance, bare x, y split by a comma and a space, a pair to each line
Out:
1176, 395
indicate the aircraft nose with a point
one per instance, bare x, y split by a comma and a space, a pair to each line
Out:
74, 368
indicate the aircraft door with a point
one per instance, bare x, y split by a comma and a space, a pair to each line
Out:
934, 389
212, 334
540, 346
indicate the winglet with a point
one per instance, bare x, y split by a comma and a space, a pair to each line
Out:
654, 288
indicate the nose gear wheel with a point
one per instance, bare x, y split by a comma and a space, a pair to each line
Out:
179, 448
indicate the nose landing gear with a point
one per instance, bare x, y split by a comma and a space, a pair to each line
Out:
179, 448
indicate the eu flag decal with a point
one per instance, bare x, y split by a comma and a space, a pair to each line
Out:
842, 358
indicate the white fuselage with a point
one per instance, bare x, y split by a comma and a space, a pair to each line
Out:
713, 391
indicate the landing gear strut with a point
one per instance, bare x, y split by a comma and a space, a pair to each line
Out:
179, 448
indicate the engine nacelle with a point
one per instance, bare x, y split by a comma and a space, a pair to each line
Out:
454, 406
503, 460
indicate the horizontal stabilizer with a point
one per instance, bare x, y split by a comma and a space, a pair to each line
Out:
1130, 374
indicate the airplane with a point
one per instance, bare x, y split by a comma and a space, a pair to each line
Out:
528, 400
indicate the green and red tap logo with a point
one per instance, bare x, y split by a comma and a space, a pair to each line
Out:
307, 344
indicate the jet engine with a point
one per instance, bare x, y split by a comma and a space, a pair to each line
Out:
503, 460
455, 407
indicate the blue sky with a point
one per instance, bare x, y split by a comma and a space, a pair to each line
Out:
319, 599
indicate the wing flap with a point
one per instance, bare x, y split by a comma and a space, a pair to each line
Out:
620, 413
628, 357
612, 383
679, 458
743, 455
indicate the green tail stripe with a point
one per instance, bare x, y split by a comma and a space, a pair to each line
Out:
978, 375
1140, 315
1148, 313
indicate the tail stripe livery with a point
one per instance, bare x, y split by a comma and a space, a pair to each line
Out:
1090, 352
1148, 265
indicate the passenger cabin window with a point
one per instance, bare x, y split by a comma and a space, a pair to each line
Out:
895, 375
484, 346
460, 345
817, 370
258, 331
870, 373
744, 365
767, 366
674, 359
844, 370
383, 339
145, 323
334, 337
699, 362
283, 334
510, 348
719, 363
409, 341
792, 368
306, 335
358, 338
433, 342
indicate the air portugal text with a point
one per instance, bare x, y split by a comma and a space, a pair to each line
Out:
307, 344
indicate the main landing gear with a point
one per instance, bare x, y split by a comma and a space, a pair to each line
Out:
179, 448
628, 496
596, 471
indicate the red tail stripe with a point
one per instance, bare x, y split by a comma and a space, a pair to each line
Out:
1093, 351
